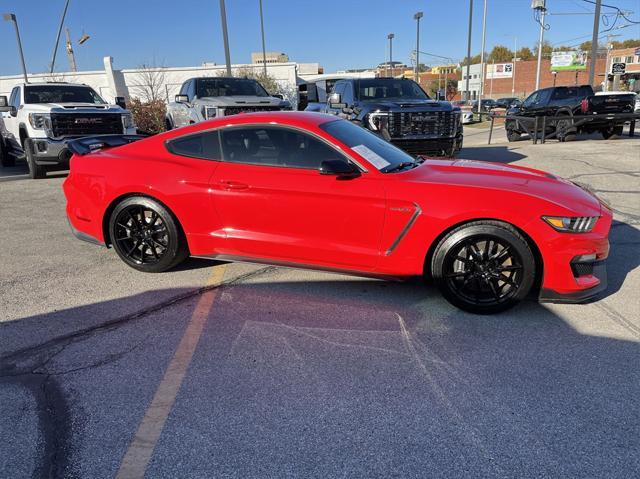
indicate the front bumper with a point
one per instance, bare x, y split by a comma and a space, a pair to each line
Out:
49, 152
429, 146
599, 272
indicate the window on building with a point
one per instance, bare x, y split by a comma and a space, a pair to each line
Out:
628, 60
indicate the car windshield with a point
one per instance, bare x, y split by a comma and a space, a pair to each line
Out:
380, 153
209, 87
384, 88
61, 94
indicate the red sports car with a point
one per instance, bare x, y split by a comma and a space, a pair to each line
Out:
314, 191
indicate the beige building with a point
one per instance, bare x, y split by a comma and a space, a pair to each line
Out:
272, 57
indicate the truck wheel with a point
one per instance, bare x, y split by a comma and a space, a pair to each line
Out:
6, 160
612, 131
36, 172
565, 131
513, 135
167, 124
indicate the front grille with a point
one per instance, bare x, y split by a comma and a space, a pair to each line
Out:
434, 124
425, 147
84, 124
234, 110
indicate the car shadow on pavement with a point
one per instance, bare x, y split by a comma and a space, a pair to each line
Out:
624, 254
497, 154
322, 378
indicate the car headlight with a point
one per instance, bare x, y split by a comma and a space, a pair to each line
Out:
127, 121
571, 224
378, 120
40, 121
210, 112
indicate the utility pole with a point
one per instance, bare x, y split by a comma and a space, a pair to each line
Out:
417, 18
70, 55
264, 51
466, 89
482, 66
10, 17
390, 37
513, 70
225, 37
541, 7
594, 42
605, 84
55, 47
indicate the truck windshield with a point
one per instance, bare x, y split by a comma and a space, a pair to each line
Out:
380, 153
208, 87
384, 88
61, 94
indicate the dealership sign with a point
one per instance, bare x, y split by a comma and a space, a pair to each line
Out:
568, 61
618, 68
500, 70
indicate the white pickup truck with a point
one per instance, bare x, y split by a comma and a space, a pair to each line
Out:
40, 118
209, 97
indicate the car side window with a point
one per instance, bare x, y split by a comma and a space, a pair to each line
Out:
347, 96
275, 146
204, 145
191, 90
14, 99
183, 88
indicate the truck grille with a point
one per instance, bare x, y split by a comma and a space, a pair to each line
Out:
75, 124
234, 110
436, 124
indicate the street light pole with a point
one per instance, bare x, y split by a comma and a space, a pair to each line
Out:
390, 37
55, 48
225, 37
264, 51
482, 67
466, 88
542, 9
10, 17
513, 70
417, 17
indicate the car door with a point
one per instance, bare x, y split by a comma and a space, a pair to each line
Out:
11, 122
274, 203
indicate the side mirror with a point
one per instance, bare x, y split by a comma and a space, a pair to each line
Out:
182, 99
335, 101
120, 101
339, 168
4, 103
278, 95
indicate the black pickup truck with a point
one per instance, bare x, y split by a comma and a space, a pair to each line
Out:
560, 104
400, 111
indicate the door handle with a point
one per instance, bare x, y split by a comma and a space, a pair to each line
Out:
233, 185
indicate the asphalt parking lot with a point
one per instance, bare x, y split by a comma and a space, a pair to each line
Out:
235, 370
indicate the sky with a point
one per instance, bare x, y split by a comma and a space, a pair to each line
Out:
338, 34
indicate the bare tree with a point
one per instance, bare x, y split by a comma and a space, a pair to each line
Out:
149, 83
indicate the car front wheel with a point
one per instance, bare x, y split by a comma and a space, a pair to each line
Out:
146, 236
484, 267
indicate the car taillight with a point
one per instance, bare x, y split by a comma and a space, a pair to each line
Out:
584, 106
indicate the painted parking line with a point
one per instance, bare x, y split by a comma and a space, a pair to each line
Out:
144, 442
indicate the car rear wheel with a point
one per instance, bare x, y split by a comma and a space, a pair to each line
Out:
146, 236
565, 131
484, 267
513, 135
6, 160
612, 131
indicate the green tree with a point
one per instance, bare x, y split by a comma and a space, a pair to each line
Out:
474, 59
631, 42
500, 54
585, 46
525, 54
546, 49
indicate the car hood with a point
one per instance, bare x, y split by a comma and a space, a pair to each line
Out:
510, 178
71, 107
410, 104
242, 101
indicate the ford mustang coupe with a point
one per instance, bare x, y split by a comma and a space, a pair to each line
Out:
313, 191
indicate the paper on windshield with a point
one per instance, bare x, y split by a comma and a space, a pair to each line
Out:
371, 156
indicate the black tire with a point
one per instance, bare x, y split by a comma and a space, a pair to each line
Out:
483, 267
513, 135
36, 172
6, 160
168, 124
565, 131
612, 131
146, 235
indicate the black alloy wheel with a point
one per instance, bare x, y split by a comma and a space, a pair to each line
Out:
146, 236
513, 135
484, 267
565, 131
